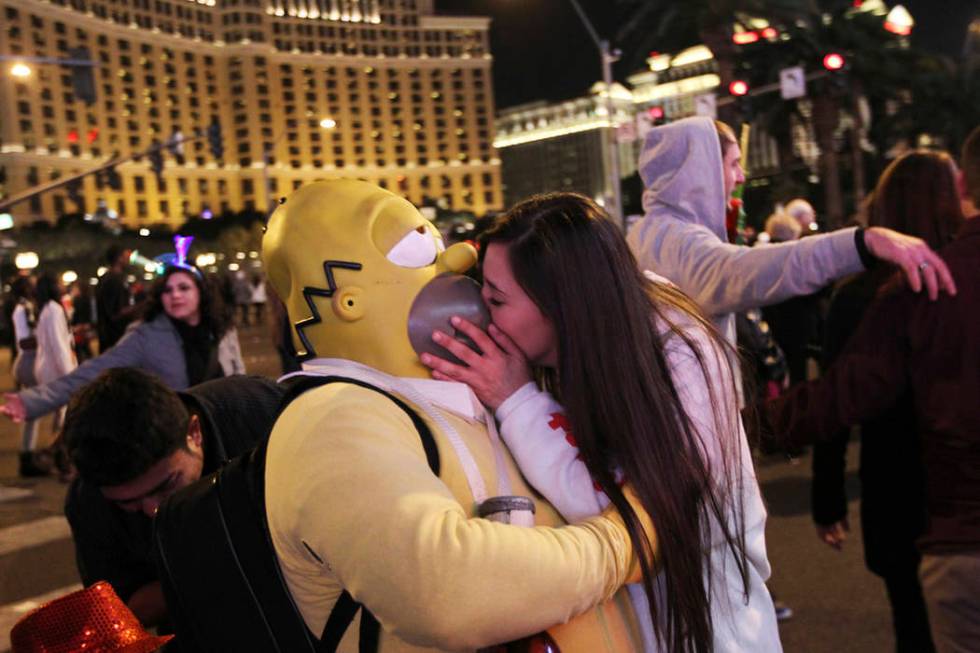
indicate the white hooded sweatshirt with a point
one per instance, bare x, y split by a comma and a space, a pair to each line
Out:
682, 235
539, 436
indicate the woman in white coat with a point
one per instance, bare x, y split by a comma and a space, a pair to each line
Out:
55, 354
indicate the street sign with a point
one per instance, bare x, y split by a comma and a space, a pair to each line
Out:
706, 105
792, 83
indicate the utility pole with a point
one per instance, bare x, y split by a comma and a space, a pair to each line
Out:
608, 57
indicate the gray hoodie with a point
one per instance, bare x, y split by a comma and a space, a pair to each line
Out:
682, 234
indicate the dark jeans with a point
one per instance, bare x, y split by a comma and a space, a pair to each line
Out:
911, 622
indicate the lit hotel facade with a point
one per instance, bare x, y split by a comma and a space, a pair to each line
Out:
409, 94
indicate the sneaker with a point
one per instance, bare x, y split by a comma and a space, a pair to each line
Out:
783, 611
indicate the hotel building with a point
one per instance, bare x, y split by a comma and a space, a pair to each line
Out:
406, 95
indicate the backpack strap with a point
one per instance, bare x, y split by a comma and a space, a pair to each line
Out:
345, 609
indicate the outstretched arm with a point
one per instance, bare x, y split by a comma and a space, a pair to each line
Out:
42, 399
724, 278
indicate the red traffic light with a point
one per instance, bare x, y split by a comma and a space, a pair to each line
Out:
833, 61
656, 113
769, 33
738, 87
73, 137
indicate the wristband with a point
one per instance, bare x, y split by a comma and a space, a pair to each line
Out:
862, 248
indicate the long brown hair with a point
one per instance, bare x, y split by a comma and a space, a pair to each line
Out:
917, 195
612, 326
212, 309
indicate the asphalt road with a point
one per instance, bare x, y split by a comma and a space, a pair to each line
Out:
839, 606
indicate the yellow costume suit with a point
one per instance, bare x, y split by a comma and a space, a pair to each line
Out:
350, 499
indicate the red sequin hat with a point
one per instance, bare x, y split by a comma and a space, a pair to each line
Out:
93, 620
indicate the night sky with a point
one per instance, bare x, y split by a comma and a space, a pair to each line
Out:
541, 50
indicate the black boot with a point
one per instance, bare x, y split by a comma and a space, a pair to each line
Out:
30, 467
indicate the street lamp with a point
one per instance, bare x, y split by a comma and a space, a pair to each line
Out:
20, 70
899, 21
26, 260
325, 123
608, 57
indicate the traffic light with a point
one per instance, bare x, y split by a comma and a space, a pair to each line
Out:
739, 90
834, 62
176, 146
82, 77
657, 115
113, 179
74, 189
836, 66
156, 159
214, 138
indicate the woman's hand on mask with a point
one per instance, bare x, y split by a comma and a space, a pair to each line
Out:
493, 375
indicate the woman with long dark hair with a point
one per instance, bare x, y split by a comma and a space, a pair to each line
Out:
184, 337
55, 354
649, 399
916, 195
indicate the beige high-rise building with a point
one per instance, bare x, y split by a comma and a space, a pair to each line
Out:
406, 96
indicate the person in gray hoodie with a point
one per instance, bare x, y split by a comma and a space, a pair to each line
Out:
689, 169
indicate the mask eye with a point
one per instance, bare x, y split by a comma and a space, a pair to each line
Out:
417, 249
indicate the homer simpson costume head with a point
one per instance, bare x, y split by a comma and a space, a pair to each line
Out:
349, 260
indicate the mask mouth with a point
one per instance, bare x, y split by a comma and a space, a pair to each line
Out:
442, 298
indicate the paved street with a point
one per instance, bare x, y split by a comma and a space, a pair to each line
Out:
840, 607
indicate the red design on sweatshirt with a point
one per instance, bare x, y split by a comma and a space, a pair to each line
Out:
559, 421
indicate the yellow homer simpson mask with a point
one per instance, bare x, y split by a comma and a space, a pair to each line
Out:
356, 265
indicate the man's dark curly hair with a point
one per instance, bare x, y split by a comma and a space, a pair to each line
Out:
121, 424
212, 309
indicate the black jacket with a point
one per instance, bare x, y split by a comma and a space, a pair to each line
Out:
891, 472
236, 413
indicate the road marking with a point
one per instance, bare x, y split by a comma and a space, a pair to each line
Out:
8, 493
33, 533
11, 613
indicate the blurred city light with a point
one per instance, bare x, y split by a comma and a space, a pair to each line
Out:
204, 260
26, 260
20, 70
69, 276
328, 123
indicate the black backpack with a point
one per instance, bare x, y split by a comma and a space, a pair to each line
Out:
218, 567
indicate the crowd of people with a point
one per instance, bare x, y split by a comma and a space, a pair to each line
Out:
568, 436
182, 329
